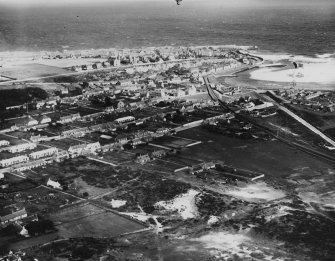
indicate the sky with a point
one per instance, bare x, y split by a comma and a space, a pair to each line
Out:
185, 3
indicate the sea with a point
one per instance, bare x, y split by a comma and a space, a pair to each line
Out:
305, 28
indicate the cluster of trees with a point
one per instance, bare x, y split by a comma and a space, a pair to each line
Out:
16, 97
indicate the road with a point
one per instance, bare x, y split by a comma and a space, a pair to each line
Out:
302, 121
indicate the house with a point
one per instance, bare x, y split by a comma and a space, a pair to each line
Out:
162, 131
121, 138
180, 93
76, 150
12, 213
142, 159
92, 147
111, 147
118, 105
52, 101
192, 90
158, 154
60, 156
14, 160
43, 153
157, 93
54, 184
4, 143
109, 109
40, 104
27, 121
21, 147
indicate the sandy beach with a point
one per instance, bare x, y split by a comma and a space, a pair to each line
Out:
314, 70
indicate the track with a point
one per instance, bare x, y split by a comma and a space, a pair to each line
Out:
296, 145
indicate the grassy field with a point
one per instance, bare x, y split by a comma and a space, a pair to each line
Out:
74, 213
32, 71
104, 224
43, 200
270, 157
173, 142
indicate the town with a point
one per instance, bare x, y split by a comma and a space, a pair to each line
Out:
111, 138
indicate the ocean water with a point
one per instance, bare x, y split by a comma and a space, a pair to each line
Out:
297, 29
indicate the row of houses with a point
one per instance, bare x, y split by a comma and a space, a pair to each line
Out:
12, 213
43, 153
22, 159
20, 147
14, 160
29, 165
69, 118
29, 121
83, 149
4, 143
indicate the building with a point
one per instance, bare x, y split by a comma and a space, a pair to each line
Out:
84, 149
12, 213
45, 119
142, 159
162, 131
76, 150
157, 93
122, 139
21, 147
29, 165
125, 119
60, 156
252, 107
136, 141
69, 118
54, 184
79, 132
158, 154
4, 143
118, 105
52, 101
43, 153
92, 147
192, 90
14, 160
27, 121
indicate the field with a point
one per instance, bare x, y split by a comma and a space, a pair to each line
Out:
119, 158
31, 71
16, 184
174, 142
272, 158
63, 144
43, 199
91, 221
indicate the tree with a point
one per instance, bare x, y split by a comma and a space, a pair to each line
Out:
40, 227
